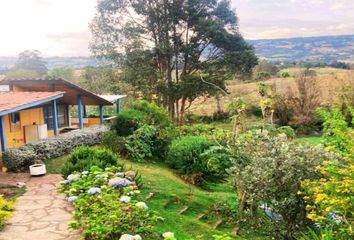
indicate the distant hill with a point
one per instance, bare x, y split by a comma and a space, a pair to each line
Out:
53, 62
326, 49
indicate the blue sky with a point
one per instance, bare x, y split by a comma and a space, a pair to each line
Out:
60, 27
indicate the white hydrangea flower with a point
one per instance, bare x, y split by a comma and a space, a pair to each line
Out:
124, 199
168, 235
127, 237
138, 237
142, 205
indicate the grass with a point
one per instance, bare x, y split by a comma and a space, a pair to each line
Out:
314, 140
54, 166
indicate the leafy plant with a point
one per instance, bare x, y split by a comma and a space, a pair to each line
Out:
140, 145
336, 132
113, 142
82, 158
185, 155
268, 170
6, 209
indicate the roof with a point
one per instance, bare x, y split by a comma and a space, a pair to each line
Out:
71, 90
112, 98
16, 101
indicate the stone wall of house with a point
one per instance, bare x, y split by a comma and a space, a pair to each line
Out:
19, 159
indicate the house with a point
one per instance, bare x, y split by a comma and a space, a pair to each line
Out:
33, 109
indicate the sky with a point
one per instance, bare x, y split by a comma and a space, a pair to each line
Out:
60, 27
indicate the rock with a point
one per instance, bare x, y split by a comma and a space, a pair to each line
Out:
21, 184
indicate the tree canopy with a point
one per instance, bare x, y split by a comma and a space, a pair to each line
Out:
166, 47
32, 61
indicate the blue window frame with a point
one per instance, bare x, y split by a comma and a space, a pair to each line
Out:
63, 116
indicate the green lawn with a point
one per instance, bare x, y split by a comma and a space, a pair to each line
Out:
310, 140
171, 194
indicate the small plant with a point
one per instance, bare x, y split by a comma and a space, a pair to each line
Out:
6, 209
82, 158
185, 155
113, 142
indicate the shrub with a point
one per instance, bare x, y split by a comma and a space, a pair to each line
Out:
287, 130
6, 208
113, 142
140, 145
127, 121
254, 110
185, 155
154, 115
106, 206
19, 159
218, 159
336, 132
196, 130
140, 113
82, 158
269, 169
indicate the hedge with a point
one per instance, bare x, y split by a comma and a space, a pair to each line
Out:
19, 159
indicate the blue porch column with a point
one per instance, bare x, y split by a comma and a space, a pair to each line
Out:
79, 107
118, 105
2, 134
101, 114
55, 117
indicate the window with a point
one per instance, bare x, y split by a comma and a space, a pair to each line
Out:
15, 121
63, 118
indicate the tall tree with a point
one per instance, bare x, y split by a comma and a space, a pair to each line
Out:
31, 61
61, 72
172, 50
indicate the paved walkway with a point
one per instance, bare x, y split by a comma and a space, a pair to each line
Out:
41, 213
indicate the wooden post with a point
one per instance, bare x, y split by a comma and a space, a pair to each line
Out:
101, 114
118, 105
55, 118
2, 134
79, 107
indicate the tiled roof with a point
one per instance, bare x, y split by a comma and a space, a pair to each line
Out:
15, 101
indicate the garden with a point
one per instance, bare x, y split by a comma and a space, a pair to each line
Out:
213, 178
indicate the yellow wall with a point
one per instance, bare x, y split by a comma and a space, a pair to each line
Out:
27, 117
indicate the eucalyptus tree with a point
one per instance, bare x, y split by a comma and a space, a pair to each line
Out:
163, 47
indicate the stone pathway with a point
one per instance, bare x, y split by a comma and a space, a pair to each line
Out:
41, 213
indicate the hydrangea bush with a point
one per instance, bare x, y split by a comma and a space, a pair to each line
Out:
106, 206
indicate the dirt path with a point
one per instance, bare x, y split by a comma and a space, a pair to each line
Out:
41, 213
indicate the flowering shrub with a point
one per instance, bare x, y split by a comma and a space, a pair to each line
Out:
330, 199
6, 208
105, 205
